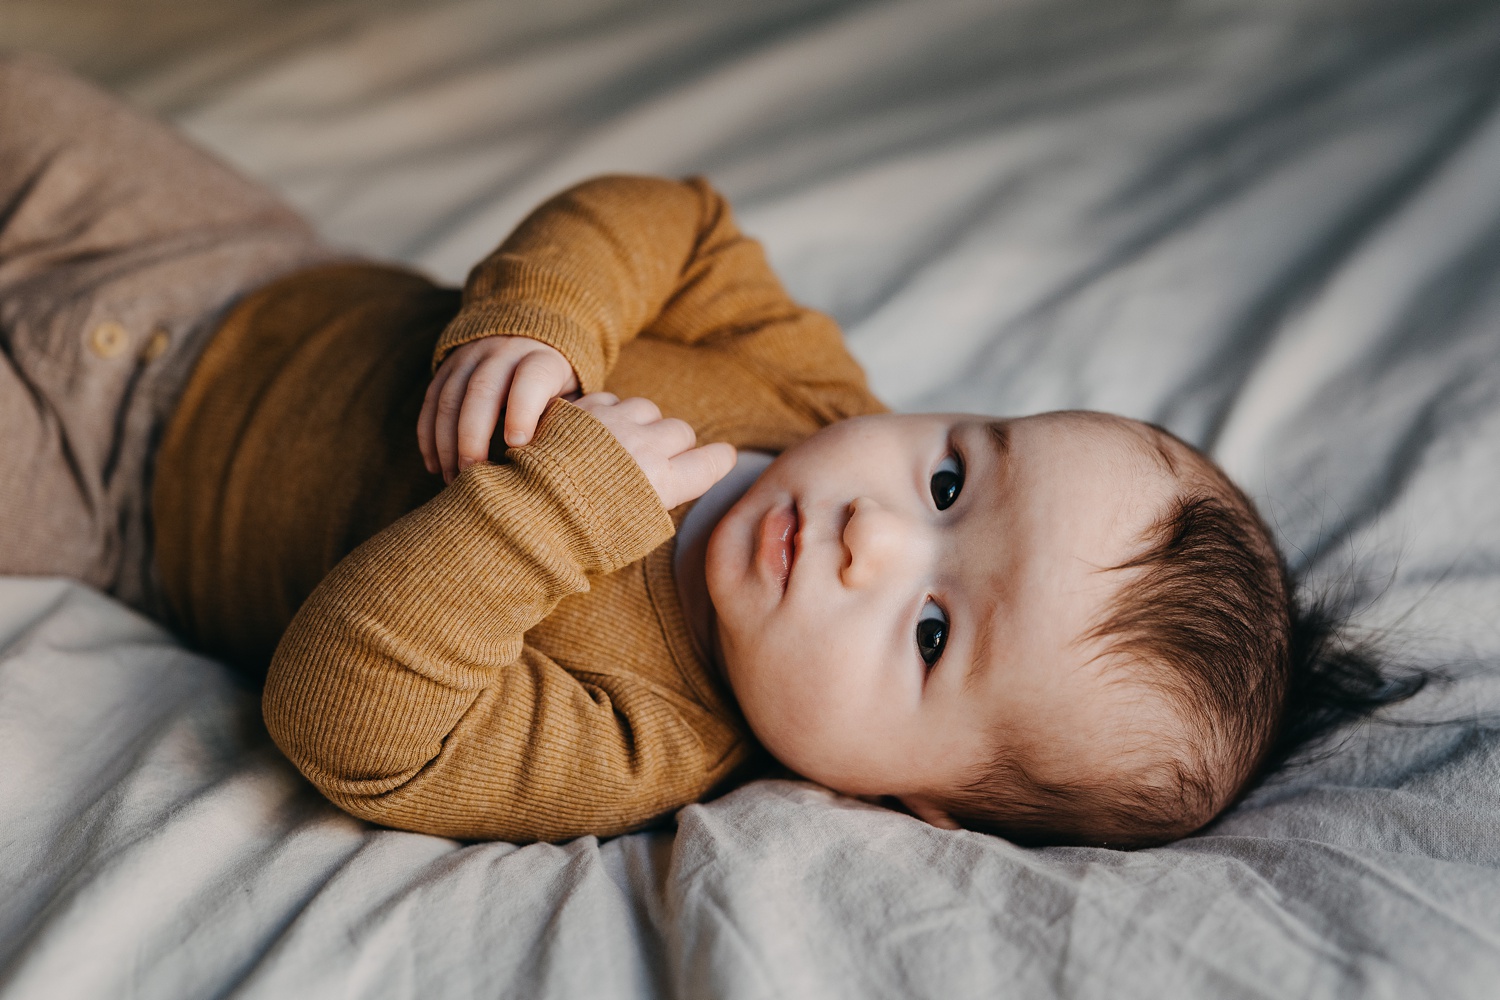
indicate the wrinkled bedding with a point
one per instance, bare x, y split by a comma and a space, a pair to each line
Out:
1273, 227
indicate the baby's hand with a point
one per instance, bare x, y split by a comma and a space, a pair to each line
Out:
473, 384
663, 448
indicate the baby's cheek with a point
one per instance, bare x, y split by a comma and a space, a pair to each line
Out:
788, 713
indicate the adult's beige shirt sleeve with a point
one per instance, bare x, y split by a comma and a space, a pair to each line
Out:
404, 688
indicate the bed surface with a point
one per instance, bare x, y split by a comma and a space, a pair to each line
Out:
1273, 227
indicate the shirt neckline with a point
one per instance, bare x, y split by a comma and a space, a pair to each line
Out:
691, 662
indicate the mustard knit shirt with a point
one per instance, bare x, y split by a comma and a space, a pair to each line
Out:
507, 657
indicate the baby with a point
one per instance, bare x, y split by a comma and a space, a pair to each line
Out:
1067, 627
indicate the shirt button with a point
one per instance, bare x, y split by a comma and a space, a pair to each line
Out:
108, 339
156, 344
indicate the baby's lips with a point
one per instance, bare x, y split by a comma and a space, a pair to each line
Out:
776, 548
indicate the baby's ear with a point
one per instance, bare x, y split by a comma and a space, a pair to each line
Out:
929, 811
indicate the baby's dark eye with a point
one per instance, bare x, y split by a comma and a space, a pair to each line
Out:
932, 633
947, 480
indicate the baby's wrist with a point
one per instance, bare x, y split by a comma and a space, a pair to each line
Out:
533, 321
591, 473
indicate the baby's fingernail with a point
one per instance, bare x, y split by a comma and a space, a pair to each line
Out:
517, 439
464, 463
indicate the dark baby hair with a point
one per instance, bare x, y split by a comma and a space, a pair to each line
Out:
1254, 669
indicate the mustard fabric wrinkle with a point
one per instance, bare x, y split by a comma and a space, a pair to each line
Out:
504, 658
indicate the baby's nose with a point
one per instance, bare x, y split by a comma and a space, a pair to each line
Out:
876, 540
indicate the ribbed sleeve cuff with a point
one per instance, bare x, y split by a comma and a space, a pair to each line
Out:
592, 473
552, 327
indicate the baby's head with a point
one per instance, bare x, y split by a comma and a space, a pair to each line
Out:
1069, 627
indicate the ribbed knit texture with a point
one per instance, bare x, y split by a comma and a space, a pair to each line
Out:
508, 659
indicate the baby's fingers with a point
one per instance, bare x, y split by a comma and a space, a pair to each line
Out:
427, 420
450, 405
693, 472
541, 376
480, 411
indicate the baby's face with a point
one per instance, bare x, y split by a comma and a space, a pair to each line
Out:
898, 592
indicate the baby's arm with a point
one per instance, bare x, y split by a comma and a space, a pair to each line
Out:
591, 269
404, 688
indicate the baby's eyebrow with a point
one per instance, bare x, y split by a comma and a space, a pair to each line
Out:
999, 435
984, 633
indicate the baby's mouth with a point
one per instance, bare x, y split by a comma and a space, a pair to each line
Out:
777, 551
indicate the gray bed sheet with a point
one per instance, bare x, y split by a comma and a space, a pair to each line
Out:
1273, 227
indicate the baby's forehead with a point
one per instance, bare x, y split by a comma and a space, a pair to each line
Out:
1171, 454
1075, 496
1133, 469
1152, 461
